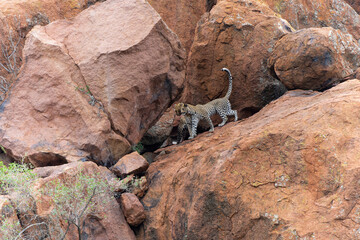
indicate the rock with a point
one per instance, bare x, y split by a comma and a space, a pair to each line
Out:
34, 12
132, 208
354, 4
290, 170
96, 226
89, 88
132, 163
238, 35
149, 156
44, 172
182, 16
309, 58
305, 14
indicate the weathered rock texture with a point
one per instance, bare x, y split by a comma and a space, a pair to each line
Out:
132, 208
132, 163
182, 16
239, 35
320, 13
309, 58
32, 12
290, 171
354, 4
18, 17
109, 222
89, 87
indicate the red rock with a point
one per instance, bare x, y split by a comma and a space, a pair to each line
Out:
308, 58
132, 208
354, 4
182, 16
33, 12
18, 17
320, 13
290, 170
132, 163
96, 226
129, 73
240, 36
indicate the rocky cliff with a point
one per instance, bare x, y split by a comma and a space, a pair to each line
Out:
97, 82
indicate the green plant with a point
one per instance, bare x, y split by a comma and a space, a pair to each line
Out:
10, 57
16, 181
74, 197
93, 101
138, 147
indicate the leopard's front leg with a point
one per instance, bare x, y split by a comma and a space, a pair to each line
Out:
194, 123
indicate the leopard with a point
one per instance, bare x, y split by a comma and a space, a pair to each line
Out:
196, 113
184, 127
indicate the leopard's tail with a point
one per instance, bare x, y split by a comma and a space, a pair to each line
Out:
230, 82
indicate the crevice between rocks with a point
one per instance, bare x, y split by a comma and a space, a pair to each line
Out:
93, 98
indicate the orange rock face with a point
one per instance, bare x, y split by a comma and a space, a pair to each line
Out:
132, 163
132, 209
238, 35
290, 171
320, 13
354, 4
182, 16
32, 12
89, 88
308, 58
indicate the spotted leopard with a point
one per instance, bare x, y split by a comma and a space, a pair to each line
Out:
221, 106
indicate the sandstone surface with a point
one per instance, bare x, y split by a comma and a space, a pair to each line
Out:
182, 16
132, 208
132, 163
354, 4
290, 171
238, 35
309, 58
90, 88
320, 13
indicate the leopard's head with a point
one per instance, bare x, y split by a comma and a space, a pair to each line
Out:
180, 108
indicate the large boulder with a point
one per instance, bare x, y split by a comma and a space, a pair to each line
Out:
239, 35
17, 18
90, 88
182, 16
309, 58
291, 171
305, 14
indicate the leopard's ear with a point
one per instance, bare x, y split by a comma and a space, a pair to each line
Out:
185, 105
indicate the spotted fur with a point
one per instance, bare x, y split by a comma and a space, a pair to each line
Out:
221, 106
184, 127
